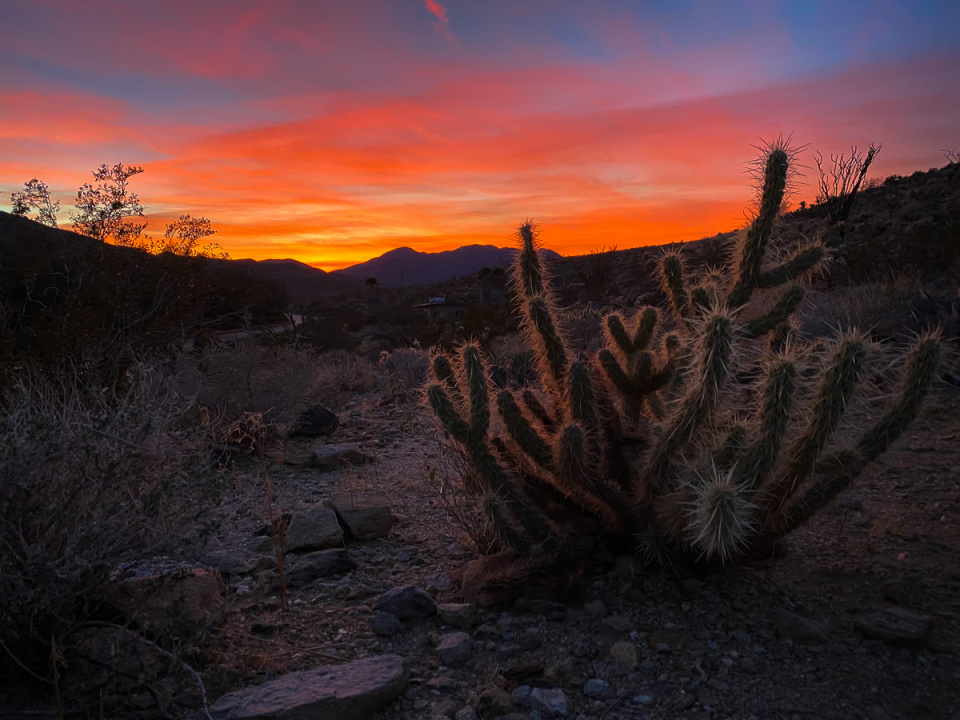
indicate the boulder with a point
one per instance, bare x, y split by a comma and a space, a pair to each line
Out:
406, 603
331, 457
895, 626
353, 691
179, 602
313, 529
316, 421
454, 648
366, 523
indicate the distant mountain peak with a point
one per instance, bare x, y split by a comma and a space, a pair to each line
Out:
405, 266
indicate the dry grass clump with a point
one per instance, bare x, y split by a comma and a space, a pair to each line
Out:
91, 478
248, 376
340, 373
856, 306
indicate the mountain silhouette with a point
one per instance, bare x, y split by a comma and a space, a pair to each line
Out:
302, 282
406, 266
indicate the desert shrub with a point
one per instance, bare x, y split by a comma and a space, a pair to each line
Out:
405, 369
89, 479
252, 376
648, 444
842, 179
340, 373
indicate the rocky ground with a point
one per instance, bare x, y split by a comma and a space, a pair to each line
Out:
860, 619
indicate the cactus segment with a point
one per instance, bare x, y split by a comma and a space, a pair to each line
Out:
671, 271
785, 306
645, 328
733, 445
522, 431
774, 416
551, 352
502, 526
754, 246
617, 334
780, 337
528, 269
581, 398
533, 405
800, 263
832, 397
720, 519
446, 413
478, 391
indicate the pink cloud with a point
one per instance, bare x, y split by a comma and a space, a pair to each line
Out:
442, 25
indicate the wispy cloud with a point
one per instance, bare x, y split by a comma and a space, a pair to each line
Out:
442, 25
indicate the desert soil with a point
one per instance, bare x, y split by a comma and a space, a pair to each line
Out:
776, 639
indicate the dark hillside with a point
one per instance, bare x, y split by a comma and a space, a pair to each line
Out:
67, 295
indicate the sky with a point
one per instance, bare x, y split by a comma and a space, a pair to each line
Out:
331, 131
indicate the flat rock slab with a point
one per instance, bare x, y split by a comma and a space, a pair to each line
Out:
314, 529
331, 457
353, 691
313, 566
796, 627
895, 626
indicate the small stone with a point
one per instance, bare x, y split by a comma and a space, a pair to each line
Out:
466, 713
314, 422
530, 639
313, 566
620, 623
595, 608
642, 700
521, 696
550, 702
454, 648
625, 654
553, 611
598, 689
493, 702
458, 615
331, 457
407, 603
795, 627
385, 624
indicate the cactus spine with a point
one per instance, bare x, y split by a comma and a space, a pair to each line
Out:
644, 439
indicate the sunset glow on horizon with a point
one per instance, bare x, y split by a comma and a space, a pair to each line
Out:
334, 132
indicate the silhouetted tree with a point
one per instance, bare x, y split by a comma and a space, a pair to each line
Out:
840, 183
103, 208
36, 196
182, 237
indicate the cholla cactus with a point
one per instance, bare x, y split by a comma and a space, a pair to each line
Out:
644, 444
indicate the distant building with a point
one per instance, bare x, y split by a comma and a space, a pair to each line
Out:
440, 308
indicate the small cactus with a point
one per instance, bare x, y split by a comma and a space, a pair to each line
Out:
644, 445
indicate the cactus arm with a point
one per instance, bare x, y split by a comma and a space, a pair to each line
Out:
774, 416
522, 431
800, 263
842, 468
478, 391
834, 393
582, 399
617, 335
551, 352
447, 414
671, 271
645, 328
782, 310
702, 397
753, 247
533, 405
733, 445
528, 269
